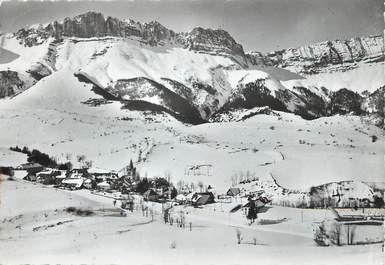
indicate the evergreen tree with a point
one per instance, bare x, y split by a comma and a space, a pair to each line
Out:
174, 193
252, 213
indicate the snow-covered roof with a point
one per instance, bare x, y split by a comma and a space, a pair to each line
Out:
78, 182
103, 184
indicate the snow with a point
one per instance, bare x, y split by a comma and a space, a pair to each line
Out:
10, 158
27, 55
326, 156
51, 117
38, 230
125, 59
245, 76
364, 77
334, 148
7, 56
76, 181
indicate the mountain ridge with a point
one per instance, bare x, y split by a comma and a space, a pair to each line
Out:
205, 68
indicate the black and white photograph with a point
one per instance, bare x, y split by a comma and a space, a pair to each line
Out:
183, 132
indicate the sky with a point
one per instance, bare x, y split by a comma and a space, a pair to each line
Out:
259, 25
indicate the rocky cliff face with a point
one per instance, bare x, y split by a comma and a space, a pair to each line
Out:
217, 41
92, 24
313, 59
10, 83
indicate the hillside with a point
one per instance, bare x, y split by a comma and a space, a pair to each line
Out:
115, 90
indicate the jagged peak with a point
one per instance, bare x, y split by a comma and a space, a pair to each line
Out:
326, 42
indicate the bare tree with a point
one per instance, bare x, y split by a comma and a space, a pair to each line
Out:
336, 234
88, 163
180, 185
68, 156
80, 158
350, 232
192, 186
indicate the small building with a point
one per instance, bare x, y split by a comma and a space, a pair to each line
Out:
79, 173
202, 198
103, 186
180, 198
32, 169
89, 184
150, 195
73, 183
48, 176
233, 192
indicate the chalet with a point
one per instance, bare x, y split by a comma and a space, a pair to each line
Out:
103, 186
32, 169
103, 175
180, 198
150, 195
89, 184
202, 198
233, 192
79, 173
73, 183
123, 184
260, 202
48, 176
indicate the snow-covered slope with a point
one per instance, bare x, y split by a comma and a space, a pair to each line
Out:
205, 70
132, 95
356, 64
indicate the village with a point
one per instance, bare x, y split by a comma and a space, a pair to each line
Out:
351, 221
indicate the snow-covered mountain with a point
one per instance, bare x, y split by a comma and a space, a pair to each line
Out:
338, 67
198, 75
114, 90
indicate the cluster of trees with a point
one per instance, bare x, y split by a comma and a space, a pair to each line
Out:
183, 186
335, 234
43, 159
145, 184
243, 177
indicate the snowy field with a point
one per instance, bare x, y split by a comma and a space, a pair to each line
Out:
51, 118
331, 149
38, 230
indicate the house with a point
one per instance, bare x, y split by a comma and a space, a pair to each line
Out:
233, 192
89, 184
60, 178
73, 183
32, 169
48, 176
260, 202
180, 198
103, 186
123, 184
103, 175
150, 195
79, 173
202, 198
